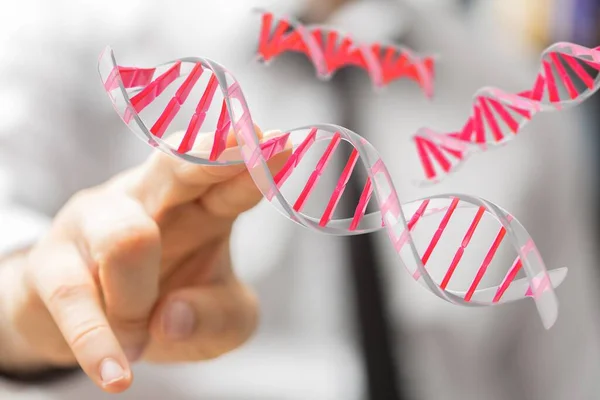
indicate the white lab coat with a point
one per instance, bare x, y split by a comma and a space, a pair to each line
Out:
59, 134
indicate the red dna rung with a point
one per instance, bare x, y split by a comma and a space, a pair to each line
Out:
339, 190
569, 74
331, 50
510, 275
162, 123
154, 107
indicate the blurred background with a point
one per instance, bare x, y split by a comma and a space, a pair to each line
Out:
340, 319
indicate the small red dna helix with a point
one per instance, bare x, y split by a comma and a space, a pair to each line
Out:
330, 50
569, 74
167, 106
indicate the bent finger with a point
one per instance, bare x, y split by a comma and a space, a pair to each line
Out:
202, 323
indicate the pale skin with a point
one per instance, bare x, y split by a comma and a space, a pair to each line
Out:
138, 268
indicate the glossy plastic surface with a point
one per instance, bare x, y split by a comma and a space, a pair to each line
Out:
330, 49
569, 74
465, 250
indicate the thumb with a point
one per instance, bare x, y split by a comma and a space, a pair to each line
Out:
200, 323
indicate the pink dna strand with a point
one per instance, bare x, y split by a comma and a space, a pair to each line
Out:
167, 106
569, 74
330, 50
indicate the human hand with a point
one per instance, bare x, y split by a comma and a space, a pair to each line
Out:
136, 268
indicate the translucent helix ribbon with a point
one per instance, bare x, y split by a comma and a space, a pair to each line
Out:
166, 106
569, 74
330, 49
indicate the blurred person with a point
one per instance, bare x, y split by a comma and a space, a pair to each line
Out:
59, 136
545, 177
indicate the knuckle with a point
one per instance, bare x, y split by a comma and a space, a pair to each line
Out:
69, 292
138, 235
85, 334
132, 236
77, 205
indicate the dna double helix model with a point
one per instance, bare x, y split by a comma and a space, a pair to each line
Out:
166, 106
569, 74
329, 50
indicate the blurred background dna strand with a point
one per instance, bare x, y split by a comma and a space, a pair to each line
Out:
569, 74
330, 49
190, 94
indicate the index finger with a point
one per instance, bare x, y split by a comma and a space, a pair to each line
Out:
65, 285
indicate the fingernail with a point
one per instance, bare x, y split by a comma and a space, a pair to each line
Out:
133, 353
111, 371
179, 320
